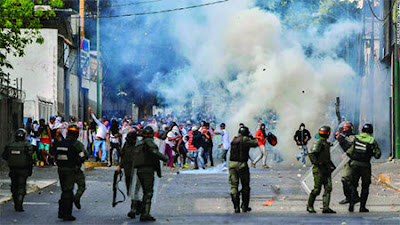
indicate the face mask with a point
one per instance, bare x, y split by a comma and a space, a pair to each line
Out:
302, 128
140, 138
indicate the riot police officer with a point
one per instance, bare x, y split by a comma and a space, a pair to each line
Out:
239, 169
364, 148
69, 157
345, 137
80, 179
18, 155
127, 165
320, 157
146, 159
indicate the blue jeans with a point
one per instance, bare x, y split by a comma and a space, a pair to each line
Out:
195, 155
303, 154
277, 155
100, 144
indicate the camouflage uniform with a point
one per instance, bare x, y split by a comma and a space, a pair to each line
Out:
322, 168
364, 148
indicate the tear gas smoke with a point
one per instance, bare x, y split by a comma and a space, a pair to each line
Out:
240, 63
248, 66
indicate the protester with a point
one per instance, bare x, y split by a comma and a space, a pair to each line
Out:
301, 137
261, 139
226, 145
115, 144
208, 144
45, 141
100, 138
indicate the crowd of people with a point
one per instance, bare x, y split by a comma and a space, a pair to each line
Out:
186, 144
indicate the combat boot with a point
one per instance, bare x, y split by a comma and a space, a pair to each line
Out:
310, 203
77, 201
245, 201
60, 209
326, 200
146, 213
362, 206
67, 210
236, 202
132, 213
18, 201
139, 207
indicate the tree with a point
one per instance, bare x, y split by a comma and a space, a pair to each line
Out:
20, 24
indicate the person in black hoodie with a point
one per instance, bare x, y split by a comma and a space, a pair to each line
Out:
301, 137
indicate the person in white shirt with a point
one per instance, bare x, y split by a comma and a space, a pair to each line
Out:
226, 145
172, 137
100, 138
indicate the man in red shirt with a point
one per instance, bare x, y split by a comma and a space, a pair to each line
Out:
260, 136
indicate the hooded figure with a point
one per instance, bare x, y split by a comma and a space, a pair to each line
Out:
301, 137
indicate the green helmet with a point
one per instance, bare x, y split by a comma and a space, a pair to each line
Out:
324, 131
20, 134
131, 137
244, 131
148, 132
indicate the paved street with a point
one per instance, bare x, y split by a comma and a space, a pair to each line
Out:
204, 199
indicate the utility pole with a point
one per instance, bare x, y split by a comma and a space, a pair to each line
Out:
396, 82
98, 61
371, 116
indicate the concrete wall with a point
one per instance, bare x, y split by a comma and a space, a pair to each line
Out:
74, 95
38, 69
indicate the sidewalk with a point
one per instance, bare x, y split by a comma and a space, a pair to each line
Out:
42, 177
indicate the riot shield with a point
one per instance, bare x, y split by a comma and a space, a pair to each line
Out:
337, 158
135, 189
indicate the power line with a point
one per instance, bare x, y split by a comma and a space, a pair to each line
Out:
133, 3
161, 11
387, 15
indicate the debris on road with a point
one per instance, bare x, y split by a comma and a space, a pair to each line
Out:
268, 202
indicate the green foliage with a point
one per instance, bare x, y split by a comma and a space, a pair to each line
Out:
19, 26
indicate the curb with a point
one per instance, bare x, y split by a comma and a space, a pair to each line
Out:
31, 189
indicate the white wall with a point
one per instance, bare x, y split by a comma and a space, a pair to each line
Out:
74, 95
38, 69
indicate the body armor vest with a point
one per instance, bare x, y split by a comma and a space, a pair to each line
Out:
66, 155
363, 151
239, 153
18, 155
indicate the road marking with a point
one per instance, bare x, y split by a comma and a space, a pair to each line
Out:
36, 203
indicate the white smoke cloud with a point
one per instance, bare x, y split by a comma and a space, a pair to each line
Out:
240, 56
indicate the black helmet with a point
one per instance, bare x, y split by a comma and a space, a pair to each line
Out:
367, 128
73, 131
131, 137
148, 132
244, 131
324, 131
20, 134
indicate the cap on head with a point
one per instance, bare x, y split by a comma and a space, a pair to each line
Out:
195, 128
52, 117
222, 125
20, 134
367, 128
